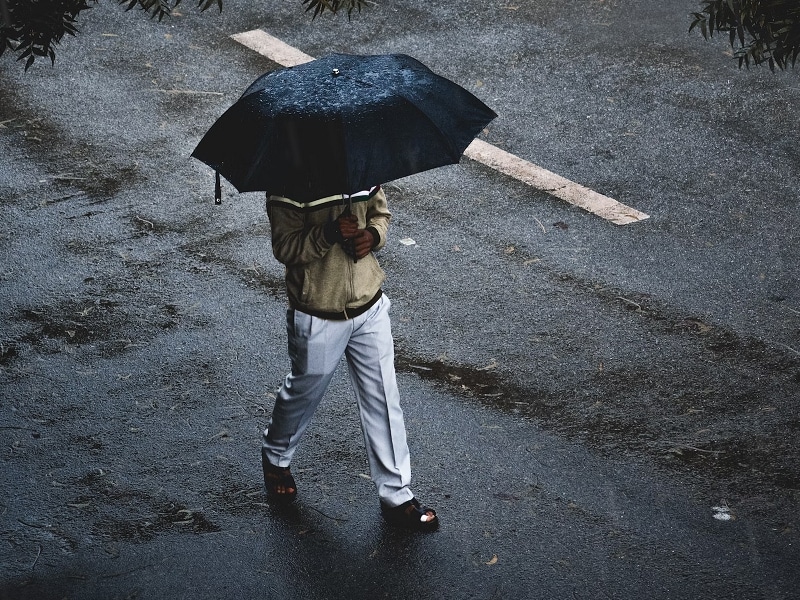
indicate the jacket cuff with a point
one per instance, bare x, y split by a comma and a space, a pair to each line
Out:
332, 233
376, 236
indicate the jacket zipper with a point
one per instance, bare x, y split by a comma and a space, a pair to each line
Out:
350, 273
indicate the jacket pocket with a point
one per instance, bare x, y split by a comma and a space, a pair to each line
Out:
305, 290
367, 279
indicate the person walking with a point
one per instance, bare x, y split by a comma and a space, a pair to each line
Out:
337, 308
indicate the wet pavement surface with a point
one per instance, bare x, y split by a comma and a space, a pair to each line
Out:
594, 411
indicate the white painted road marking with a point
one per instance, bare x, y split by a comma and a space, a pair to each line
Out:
555, 185
274, 49
480, 151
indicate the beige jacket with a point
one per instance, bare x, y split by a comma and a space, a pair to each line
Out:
319, 275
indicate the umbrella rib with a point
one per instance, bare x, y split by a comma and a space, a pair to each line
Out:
454, 152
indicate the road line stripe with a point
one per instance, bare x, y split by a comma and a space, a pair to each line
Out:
274, 49
555, 185
492, 156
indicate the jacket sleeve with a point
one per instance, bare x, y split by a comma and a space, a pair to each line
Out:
293, 241
378, 217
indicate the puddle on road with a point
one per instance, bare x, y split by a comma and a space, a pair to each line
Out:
73, 164
103, 320
171, 518
92, 321
491, 387
612, 419
133, 515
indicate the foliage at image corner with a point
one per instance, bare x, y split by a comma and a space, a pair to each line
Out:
335, 6
759, 31
33, 28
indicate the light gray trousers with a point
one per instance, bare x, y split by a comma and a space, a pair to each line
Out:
316, 347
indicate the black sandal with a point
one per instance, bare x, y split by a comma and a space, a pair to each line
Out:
279, 482
411, 515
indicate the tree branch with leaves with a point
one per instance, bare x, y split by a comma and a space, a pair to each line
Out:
759, 31
32, 29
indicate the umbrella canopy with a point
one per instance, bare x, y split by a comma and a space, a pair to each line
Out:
341, 124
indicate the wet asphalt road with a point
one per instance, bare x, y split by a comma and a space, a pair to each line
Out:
595, 411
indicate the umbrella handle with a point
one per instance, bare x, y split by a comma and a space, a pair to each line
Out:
349, 249
347, 212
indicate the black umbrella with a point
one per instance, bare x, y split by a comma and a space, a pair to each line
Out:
341, 124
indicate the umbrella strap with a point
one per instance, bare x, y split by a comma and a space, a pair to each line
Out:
218, 191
